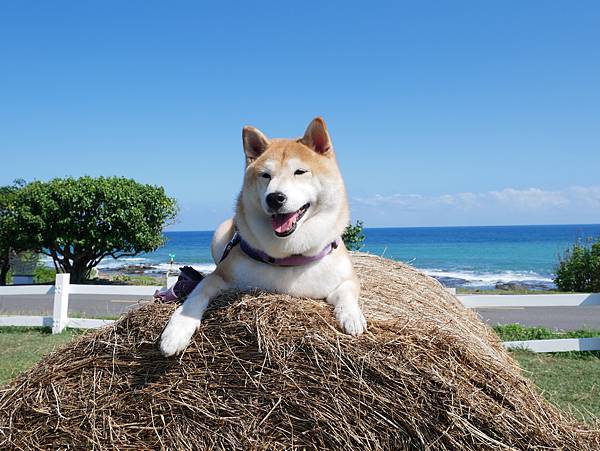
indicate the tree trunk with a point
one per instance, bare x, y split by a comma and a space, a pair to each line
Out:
4, 268
77, 266
79, 272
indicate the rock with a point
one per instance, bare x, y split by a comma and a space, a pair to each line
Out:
506, 286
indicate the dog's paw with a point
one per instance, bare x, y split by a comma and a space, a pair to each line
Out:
351, 320
178, 333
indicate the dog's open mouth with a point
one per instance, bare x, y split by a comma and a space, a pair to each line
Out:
284, 224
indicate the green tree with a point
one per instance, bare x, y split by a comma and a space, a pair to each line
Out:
79, 222
579, 268
353, 236
8, 230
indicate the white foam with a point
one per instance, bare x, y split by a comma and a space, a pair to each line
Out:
489, 278
474, 278
109, 263
158, 268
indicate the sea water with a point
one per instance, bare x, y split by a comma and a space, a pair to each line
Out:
458, 256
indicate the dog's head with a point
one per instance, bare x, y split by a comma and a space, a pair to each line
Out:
293, 199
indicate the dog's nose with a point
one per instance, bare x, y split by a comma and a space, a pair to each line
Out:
276, 200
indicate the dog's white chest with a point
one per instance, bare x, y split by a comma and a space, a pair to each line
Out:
316, 280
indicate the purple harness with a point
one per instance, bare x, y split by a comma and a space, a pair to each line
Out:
292, 260
190, 278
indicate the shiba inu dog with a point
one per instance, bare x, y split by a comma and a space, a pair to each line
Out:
285, 236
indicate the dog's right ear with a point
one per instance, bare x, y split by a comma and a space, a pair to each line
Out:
255, 142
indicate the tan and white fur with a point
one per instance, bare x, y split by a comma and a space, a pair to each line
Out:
301, 172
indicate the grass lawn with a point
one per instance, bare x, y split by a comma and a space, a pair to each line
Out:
461, 290
516, 332
570, 380
21, 347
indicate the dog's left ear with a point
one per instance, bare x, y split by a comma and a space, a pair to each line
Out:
316, 136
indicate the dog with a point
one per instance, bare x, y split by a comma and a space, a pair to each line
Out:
285, 235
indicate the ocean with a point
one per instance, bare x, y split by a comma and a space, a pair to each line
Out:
477, 257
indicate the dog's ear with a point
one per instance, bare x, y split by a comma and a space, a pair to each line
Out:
255, 142
316, 136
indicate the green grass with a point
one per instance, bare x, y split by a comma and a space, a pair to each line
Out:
568, 380
127, 279
46, 275
137, 280
503, 292
515, 332
21, 347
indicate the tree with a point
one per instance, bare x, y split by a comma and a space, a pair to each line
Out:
579, 268
79, 222
8, 231
353, 236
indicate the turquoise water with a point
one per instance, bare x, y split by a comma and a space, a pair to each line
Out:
459, 256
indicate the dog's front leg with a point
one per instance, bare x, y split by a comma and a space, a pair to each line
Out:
186, 319
347, 311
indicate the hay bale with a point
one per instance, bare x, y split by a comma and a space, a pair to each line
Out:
270, 372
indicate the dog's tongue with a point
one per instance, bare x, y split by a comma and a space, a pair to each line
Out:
283, 222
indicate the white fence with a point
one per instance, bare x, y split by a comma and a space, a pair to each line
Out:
539, 300
60, 291
63, 288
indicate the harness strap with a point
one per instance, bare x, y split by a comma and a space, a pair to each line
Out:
263, 257
234, 241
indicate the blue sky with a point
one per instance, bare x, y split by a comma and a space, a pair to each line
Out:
441, 112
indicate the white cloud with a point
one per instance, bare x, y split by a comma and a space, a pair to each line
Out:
587, 195
507, 206
529, 198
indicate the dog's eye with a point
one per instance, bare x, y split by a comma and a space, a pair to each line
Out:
265, 175
300, 172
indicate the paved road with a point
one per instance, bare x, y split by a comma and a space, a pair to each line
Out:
563, 318
88, 306
94, 306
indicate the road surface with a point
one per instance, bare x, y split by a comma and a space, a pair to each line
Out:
83, 305
557, 318
96, 306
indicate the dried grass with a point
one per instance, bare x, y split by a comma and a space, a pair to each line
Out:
270, 371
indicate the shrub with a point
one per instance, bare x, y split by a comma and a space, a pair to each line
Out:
44, 274
353, 236
579, 267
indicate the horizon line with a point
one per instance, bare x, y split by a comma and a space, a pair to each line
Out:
437, 227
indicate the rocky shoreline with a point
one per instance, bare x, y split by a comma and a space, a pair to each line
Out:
156, 272
529, 285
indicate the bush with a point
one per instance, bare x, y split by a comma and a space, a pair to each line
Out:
579, 268
353, 236
44, 274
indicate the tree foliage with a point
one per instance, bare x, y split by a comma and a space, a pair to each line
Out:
579, 268
8, 227
79, 222
353, 236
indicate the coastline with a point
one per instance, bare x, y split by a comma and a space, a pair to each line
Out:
502, 258
158, 272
